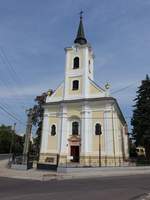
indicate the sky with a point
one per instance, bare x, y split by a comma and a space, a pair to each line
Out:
34, 33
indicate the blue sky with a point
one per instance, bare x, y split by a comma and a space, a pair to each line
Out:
33, 34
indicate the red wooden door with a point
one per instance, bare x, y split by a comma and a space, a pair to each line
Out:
75, 153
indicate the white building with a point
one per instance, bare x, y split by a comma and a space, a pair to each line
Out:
82, 122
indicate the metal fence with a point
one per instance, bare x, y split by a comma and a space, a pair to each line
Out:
77, 163
19, 158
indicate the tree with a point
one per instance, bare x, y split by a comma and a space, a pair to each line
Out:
37, 119
141, 116
132, 149
7, 136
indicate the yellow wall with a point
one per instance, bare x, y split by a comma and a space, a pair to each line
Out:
95, 145
53, 140
74, 110
71, 59
58, 92
93, 89
53, 120
97, 118
75, 92
54, 108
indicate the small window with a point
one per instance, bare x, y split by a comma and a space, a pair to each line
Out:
98, 130
76, 63
53, 130
75, 128
75, 85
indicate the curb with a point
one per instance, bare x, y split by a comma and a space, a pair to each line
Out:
75, 175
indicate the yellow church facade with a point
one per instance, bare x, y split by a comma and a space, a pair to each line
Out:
82, 123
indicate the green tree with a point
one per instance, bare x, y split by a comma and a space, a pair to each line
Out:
18, 144
37, 119
141, 116
132, 149
7, 136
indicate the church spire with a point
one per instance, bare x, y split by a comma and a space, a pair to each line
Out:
80, 38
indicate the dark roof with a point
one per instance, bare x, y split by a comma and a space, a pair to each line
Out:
80, 38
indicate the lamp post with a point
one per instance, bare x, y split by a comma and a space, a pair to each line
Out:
99, 133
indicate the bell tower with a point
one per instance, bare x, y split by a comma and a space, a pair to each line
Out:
79, 66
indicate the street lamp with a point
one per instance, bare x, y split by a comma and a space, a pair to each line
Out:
100, 133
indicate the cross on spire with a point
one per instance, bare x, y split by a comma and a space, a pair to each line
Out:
81, 13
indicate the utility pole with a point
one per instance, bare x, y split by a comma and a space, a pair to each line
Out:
27, 135
12, 142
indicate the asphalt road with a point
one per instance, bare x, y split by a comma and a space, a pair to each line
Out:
114, 188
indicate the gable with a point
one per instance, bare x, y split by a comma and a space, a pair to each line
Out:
57, 95
95, 89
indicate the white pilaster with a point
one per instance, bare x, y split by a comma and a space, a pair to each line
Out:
86, 133
126, 142
66, 85
92, 67
108, 133
116, 133
120, 144
64, 129
85, 63
45, 132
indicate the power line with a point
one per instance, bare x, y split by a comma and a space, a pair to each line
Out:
11, 115
7, 107
7, 83
122, 89
10, 66
13, 74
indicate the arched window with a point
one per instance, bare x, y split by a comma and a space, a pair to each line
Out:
75, 85
76, 63
53, 130
98, 130
75, 128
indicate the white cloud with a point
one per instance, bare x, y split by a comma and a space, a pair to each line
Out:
30, 90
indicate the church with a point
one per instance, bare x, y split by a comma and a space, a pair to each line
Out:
82, 124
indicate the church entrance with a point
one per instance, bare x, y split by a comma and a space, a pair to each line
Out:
75, 153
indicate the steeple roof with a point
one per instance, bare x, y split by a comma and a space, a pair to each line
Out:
80, 38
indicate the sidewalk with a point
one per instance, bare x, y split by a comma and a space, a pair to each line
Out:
104, 172
32, 174
71, 173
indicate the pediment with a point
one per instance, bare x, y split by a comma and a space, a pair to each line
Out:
57, 95
95, 89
